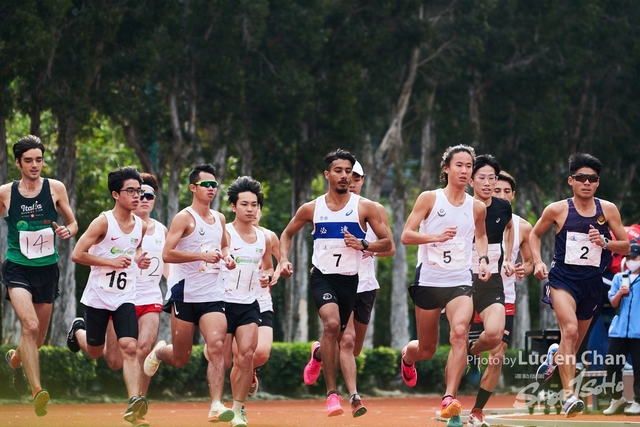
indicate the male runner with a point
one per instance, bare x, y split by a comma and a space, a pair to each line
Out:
582, 252
353, 337
448, 220
197, 244
148, 295
340, 221
30, 270
504, 189
110, 246
250, 248
488, 298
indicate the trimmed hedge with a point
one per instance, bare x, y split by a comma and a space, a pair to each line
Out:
74, 375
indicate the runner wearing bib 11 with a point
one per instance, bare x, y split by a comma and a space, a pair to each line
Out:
30, 270
583, 226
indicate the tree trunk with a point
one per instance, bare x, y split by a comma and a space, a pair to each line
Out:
474, 107
428, 168
64, 309
399, 306
220, 163
246, 153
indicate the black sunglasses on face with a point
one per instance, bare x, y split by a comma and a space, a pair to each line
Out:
582, 177
148, 196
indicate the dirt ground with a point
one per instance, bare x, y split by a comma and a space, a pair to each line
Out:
382, 412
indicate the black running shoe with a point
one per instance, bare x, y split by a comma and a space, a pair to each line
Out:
138, 407
20, 384
72, 343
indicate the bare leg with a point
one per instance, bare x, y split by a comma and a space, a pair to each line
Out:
112, 352
130, 365
330, 317
147, 335
214, 332
347, 358
459, 312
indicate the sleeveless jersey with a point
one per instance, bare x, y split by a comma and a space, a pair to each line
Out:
330, 254
367, 272
264, 294
447, 264
197, 281
575, 258
107, 287
30, 237
148, 280
243, 282
509, 282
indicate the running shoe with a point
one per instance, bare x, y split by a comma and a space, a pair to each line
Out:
472, 373
151, 362
40, 401
137, 408
239, 419
572, 406
616, 406
546, 370
253, 388
219, 412
312, 370
476, 419
333, 405
72, 343
357, 408
454, 421
450, 407
633, 409
19, 381
408, 372
140, 423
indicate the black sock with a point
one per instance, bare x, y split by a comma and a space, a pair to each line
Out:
482, 398
315, 354
332, 392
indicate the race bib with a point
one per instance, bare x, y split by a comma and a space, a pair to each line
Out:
447, 255
338, 260
205, 267
243, 280
115, 281
37, 244
154, 271
580, 251
494, 253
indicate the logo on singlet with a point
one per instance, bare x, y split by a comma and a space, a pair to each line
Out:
201, 232
22, 225
441, 212
349, 213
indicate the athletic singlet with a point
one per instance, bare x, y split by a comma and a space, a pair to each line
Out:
446, 264
148, 280
509, 282
575, 258
197, 281
107, 287
367, 272
498, 215
330, 254
30, 237
264, 294
243, 282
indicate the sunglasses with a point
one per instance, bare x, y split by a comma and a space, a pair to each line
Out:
148, 196
207, 184
582, 177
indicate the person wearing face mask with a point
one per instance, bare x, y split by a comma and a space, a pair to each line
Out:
624, 333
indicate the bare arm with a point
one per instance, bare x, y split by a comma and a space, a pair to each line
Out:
95, 233
526, 267
370, 215
421, 209
181, 226
302, 216
548, 218
70, 227
275, 252
508, 237
621, 244
481, 240
385, 221
267, 263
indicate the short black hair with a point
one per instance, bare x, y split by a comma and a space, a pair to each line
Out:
117, 177
506, 176
150, 180
194, 176
243, 184
584, 160
448, 155
25, 144
338, 154
486, 160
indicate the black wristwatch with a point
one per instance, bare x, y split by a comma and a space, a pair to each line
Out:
485, 257
365, 245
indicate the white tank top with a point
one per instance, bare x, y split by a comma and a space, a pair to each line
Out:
330, 254
367, 273
447, 264
243, 282
200, 278
148, 280
510, 281
264, 294
107, 287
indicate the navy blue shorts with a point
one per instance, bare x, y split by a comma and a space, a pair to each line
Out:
587, 295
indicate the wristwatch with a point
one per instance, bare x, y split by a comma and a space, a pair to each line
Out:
606, 242
483, 257
365, 245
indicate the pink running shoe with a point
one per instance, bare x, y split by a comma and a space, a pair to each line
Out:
312, 370
333, 405
409, 374
450, 407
